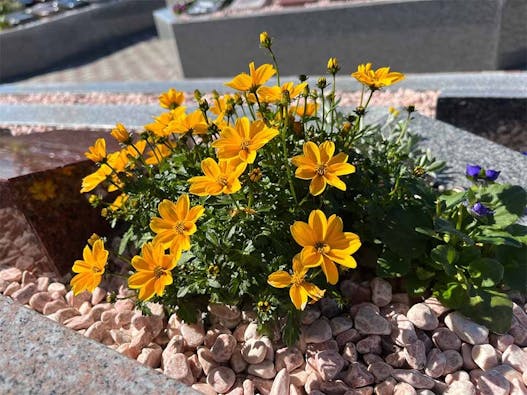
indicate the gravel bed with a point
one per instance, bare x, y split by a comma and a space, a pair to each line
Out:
381, 342
425, 102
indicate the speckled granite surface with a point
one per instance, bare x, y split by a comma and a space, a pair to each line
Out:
39, 356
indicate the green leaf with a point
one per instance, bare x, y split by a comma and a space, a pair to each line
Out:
507, 201
490, 308
519, 232
398, 231
416, 286
514, 262
496, 237
446, 256
452, 199
452, 294
389, 266
486, 271
443, 226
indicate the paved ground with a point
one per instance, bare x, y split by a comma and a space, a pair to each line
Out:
142, 58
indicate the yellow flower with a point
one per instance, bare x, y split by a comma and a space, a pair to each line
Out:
219, 177
320, 166
43, 190
274, 93
160, 125
265, 40
120, 133
91, 269
97, 152
171, 99
376, 79
304, 110
333, 66
153, 270
177, 223
251, 82
118, 202
222, 104
324, 243
193, 123
300, 289
90, 182
93, 238
161, 152
243, 140
393, 111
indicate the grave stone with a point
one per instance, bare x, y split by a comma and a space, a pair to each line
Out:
44, 220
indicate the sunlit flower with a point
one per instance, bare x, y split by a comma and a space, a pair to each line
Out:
155, 156
91, 181
265, 40
90, 269
222, 104
304, 110
121, 134
154, 270
251, 82
219, 177
300, 290
160, 125
393, 111
171, 99
273, 94
324, 243
193, 123
333, 66
473, 171
177, 223
492, 175
376, 79
43, 190
320, 166
118, 202
243, 140
97, 152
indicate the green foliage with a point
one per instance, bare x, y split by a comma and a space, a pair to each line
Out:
437, 243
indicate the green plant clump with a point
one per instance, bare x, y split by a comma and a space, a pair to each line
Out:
268, 197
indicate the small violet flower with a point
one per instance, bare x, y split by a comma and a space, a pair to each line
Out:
481, 210
473, 171
491, 175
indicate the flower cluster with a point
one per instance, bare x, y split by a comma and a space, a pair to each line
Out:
270, 187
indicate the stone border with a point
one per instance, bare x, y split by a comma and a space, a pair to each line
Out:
47, 42
39, 356
410, 35
479, 81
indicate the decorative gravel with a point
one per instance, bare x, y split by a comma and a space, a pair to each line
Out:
381, 342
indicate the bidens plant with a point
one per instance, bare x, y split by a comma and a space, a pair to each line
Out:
267, 197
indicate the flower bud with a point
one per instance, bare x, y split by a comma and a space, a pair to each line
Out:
360, 111
121, 134
286, 98
197, 95
203, 104
265, 40
93, 238
255, 175
333, 66
322, 83
346, 127
410, 108
215, 94
302, 77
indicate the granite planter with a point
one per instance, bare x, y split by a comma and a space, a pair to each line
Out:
406, 34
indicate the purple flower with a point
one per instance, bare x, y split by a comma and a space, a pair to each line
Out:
524, 153
491, 175
481, 210
473, 171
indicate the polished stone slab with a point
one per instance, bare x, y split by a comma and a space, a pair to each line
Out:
40, 200
498, 114
40, 356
